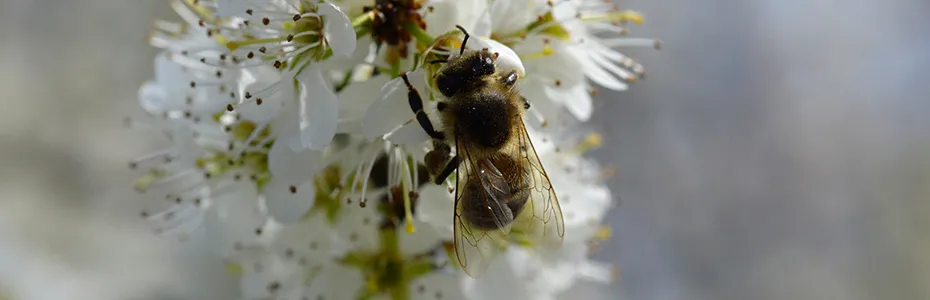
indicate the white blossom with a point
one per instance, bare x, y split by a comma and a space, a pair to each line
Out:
293, 154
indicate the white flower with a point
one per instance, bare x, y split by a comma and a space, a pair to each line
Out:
295, 158
288, 265
561, 48
290, 38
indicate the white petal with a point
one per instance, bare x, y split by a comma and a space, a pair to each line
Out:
286, 205
152, 98
308, 242
271, 276
319, 110
424, 239
236, 217
409, 134
356, 98
293, 168
508, 60
256, 79
468, 14
510, 17
357, 226
392, 109
542, 105
597, 272
576, 99
594, 71
443, 18
498, 282
232, 8
168, 72
337, 29
336, 282
436, 207
427, 287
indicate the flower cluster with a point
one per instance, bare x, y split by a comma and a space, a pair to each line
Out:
295, 157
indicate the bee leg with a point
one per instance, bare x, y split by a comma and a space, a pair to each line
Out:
465, 40
510, 79
526, 103
416, 105
450, 167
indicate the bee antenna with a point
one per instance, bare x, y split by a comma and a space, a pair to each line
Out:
465, 40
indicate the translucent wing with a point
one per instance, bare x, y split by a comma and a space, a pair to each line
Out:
476, 183
540, 221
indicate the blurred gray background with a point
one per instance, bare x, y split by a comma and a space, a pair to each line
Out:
777, 150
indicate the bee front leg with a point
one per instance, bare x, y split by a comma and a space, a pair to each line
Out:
416, 105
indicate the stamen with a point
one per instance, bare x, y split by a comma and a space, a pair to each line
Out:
546, 51
233, 45
616, 16
408, 212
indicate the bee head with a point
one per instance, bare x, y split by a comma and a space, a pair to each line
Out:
465, 72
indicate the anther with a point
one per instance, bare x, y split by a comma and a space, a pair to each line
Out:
265, 21
293, 189
277, 64
229, 107
258, 101
296, 17
248, 11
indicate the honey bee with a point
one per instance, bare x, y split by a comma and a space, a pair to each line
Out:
502, 191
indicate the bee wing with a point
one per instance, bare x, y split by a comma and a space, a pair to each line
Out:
476, 247
540, 221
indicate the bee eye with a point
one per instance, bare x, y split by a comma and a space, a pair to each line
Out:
488, 60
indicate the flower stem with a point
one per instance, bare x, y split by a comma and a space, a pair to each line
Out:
422, 36
362, 24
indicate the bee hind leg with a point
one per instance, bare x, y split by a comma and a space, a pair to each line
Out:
450, 167
416, 105
438, 162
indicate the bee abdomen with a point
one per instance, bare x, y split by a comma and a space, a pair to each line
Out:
491, 211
